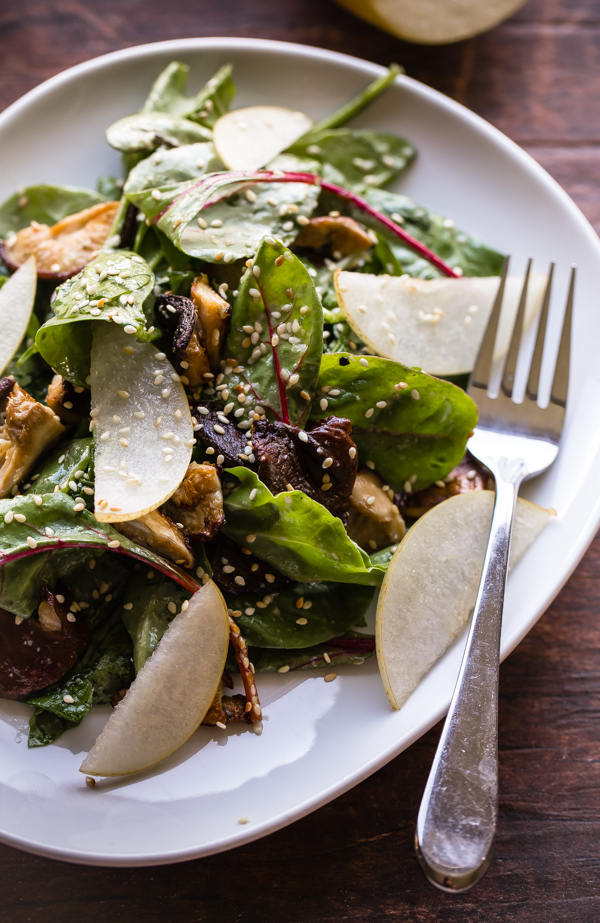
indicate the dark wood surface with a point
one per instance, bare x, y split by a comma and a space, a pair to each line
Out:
537, 77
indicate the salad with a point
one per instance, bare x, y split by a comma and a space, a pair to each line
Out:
190, 396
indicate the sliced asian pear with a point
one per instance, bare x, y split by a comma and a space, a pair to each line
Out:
171, 694
432, 324
143, 429
247, 139
17, 297
434, 22
431, 584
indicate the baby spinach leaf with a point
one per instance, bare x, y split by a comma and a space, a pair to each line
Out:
294, 533
60, 467
224, 216
276, 335
331, 608
173, 165
112, 287
363, 158
351, 648
145, 131
412, 426
45, 204
110, 186
45, 727
359, 102
458, 249
168, 94
149, 615
77, 688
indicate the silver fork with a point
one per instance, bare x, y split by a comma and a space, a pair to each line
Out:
457, 819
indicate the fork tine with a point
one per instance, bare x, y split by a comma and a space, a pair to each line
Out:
560, 384
480, 375
533, 382
510, 366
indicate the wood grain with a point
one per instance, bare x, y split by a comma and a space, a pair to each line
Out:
537, 78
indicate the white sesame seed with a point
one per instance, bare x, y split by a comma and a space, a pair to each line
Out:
165, 393
324, 403
352, 452
123, 394
415, 394
369, 413
381, 404
330, 677
114, 544
68, 699
31, 542
364, 362
328, 463
19, 517
301, 621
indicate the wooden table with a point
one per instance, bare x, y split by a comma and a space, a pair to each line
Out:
537, 78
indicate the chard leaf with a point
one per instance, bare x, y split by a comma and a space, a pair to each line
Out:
45, 204
149, 616
419, 432
281, 358
145, 131
59, 468
174, 165
351, 648
359, 102
75, 536
458, 249
363, 158
295, 534
98, 293
334, 607
168, 94
235, 212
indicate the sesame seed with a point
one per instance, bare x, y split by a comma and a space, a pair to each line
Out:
219, 429
328, 463
129, 328
123, 442
79, 506
415, 394
330, 677
381, 404
369, 413
352, 452
220, 459
401, 386
123, 394
244, 820
364, 362
301, 621
371, 465
250, 539
19, 517
9, 517
68, 699
471, 475
324, 403
114, 544
31, 542
172, 608
240, 581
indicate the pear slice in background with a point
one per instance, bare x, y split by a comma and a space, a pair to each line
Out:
247, 139
17, 297
171, 694
431, 324
430, 587
143, 428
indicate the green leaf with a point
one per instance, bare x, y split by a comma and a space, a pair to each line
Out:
359, 102
110, 186
149, 616
277, 299
46, 204
334, 607
364, 158
59, 468
78, 688
351, 648
458, 249
295, 534
243, 210
419, 432
145, 131
22, 566
100, 292
46, 727
176, 165
168, 94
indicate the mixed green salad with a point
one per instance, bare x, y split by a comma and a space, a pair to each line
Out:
188, 401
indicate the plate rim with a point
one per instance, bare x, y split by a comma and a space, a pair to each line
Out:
585, 537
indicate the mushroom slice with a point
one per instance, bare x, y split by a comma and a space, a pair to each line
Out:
339, 234
214, 314
182, 318
143, 431
28, 430
65, 400
17, 297
156, 531
64, 248
468, 475
374, 521
197, 504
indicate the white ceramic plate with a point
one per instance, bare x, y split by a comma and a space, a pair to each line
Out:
319, 738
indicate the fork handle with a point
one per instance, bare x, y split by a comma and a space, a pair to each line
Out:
456, 825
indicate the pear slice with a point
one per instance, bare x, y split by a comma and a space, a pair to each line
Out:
434, 22
171, 694
431, 584
17, 297
143, 428
247, 139
432, 324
